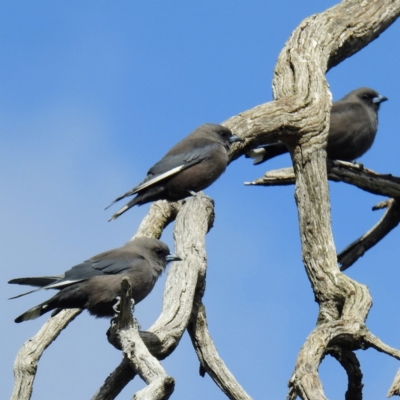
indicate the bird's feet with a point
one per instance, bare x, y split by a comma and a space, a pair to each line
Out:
116, 305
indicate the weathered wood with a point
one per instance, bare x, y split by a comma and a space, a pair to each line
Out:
349, 361
25, 364
359, 247
209, 358
394, 389
160, 215
299, 117
339, 171
124, 334
116, 381
366, 179
191, 225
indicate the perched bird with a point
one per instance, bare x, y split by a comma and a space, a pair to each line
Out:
191, 165
352, 130
96, 283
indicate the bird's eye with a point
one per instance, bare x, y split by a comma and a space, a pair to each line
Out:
365, 97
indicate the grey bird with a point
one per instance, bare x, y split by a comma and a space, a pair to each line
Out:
352, 130
191, 165
95, 284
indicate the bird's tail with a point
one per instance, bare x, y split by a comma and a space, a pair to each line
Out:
126, 207
127, 194
39, 281
34, 312
267, 152
25, 293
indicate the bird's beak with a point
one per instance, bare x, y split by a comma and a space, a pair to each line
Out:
235, 138
379, 99
172, 257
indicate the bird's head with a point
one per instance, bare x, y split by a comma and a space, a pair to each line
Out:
370, 97
223, 135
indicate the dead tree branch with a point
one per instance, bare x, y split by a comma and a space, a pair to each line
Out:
299, 117
124, 334
209, 358
348, 360
25, 365
395, 388
363, 178
359, 247
339, 171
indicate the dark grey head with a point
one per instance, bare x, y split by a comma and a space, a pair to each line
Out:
220, 134
153, 249
368, 96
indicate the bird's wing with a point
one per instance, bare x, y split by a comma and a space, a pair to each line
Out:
114, 267
24, 294
170, 165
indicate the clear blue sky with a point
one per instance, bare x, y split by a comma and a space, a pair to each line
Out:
92, 94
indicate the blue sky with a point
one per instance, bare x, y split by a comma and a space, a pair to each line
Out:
92, 94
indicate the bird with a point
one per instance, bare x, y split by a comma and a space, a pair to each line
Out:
95, 284
352, 130
191, 165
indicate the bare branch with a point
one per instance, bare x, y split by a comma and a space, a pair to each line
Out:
25, 364
339, 171
160, 215
366, 179
377, 344
348, 360
124, 334
358, 248
394, 389
192, 223
116, 381
209, 358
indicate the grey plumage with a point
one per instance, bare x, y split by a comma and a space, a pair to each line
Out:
352, 130
191, 165
95, 283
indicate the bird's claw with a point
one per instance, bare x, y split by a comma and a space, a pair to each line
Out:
116, 305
